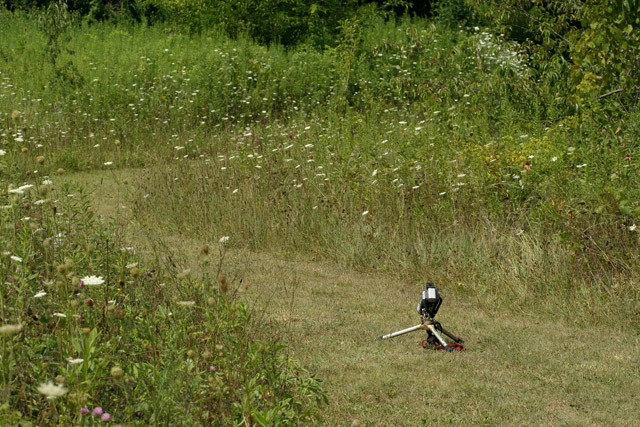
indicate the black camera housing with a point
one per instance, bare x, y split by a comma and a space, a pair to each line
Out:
430, 302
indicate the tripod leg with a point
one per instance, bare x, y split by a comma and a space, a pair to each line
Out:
404, 331
434, 331
450, 335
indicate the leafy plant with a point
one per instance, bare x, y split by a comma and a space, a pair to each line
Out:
54, 22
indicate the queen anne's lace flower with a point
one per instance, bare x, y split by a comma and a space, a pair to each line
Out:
52, 390
20, 190
92, 280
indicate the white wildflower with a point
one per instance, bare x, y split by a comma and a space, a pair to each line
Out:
224, 239
20, 190
16, 258
186, 303
40, 294
92, 280
52, 390
74, 361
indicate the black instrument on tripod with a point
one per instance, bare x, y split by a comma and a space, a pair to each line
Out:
427, 309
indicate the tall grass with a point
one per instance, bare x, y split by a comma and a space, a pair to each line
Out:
453, 157
415, 219
90, 331
88, 327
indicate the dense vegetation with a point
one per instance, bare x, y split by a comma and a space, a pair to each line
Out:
92, 333
499, 141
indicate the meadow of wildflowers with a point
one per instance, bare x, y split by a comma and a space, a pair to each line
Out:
443, 126
91, 332
440, 150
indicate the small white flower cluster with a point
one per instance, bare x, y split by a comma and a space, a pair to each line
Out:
500, 53
51, 390
20, 190
92, 280
40, 294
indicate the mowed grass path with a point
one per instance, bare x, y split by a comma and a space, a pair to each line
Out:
519, 369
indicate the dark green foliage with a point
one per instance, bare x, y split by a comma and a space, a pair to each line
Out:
455, 13
609, 46
599, 41
267, 21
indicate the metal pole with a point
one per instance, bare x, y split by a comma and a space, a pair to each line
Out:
404, 331
450, 335
434, 331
